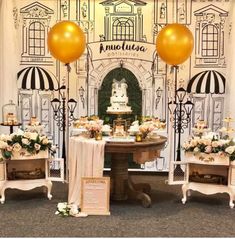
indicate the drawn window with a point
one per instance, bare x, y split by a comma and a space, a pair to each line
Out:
36, 39
210, 41
123, 29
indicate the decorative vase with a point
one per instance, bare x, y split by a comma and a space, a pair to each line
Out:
92, 134
144, 135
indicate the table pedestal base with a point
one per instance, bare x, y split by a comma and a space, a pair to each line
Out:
122, 186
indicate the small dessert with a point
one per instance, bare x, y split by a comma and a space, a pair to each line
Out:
119, 131
34, 121
10, 119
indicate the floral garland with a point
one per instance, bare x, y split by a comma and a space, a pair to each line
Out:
211, 144
31, 142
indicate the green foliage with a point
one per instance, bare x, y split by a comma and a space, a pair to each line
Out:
133, 92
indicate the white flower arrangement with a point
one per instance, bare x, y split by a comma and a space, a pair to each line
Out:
146, 127
31, 142
64, 209
208, 144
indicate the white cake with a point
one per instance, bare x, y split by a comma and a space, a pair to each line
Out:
119, 99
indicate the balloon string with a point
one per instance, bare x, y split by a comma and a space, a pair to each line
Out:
174, 67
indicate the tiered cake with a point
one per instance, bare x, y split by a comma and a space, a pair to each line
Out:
119, 98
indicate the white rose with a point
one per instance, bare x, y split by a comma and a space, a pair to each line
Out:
25, 141
27, 135
53, 148
3, 145
201, 141
214, 144
3, 137
196, 150
45, 141
16, 147
230, 149
42, 137
37, 147
8, 137
73, 210
33, 136
194, 143
207, 142
20, 132
61, 206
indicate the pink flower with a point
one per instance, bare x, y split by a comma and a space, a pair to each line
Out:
37, 146
208, 149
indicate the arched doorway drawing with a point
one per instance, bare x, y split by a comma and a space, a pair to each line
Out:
134, 93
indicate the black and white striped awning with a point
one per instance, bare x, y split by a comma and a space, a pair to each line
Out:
207, 82
36, 78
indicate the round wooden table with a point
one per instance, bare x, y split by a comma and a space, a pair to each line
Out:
122, 186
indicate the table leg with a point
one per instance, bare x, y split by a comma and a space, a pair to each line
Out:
122, 186
119, 176
11, 129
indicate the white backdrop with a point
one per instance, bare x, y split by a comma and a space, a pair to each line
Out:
9, 57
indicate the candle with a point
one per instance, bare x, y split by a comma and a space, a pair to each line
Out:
98, 136
138, 137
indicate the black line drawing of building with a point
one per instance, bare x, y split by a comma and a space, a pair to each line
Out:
123, 20
36, 19
175, 11
209, 37
208, 89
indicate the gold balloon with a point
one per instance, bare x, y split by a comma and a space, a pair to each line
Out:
66, 41
174, 44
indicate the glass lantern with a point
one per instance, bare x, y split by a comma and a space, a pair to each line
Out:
9, 114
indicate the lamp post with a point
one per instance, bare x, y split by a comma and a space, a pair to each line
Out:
81, 92
59, 109
158, 96
181, 109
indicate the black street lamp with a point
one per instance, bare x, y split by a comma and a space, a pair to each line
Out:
59, 109
158, 96
81, 94
181, 110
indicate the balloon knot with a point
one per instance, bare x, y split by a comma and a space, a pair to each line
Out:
68, 67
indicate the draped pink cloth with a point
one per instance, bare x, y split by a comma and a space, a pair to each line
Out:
86, 159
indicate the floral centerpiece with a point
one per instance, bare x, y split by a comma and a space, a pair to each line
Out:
30, 142
210, 144
146, 128
93, 127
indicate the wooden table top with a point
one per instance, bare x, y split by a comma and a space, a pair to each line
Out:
146, 145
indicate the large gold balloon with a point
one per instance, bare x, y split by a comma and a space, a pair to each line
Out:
174, 44
66, 41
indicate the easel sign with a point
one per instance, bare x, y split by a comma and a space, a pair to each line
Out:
95, 195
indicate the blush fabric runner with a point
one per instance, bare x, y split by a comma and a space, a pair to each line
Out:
86, 159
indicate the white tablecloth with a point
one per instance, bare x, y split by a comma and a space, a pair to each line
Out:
86, 159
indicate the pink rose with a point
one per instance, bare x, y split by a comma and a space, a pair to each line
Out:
208, 149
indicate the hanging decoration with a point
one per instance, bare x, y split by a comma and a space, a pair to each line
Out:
174, 44
66, 41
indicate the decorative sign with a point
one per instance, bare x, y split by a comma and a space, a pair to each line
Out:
122, 49
123, 7
95, 196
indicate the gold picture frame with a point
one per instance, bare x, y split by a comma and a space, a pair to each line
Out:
95, 195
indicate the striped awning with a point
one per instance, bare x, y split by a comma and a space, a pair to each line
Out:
207, 82
36, 78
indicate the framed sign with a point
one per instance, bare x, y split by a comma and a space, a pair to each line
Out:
95, 195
